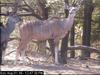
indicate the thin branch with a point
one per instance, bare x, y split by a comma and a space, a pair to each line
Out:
26, 9
28, 6
26, 14
15, 38
10, 5
10, 52
6, 4
74, 3
81, 47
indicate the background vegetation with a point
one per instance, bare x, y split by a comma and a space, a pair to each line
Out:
55, 8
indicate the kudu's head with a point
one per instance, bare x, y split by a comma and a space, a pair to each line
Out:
14, 17
74, 7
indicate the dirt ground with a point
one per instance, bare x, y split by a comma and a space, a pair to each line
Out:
42, 63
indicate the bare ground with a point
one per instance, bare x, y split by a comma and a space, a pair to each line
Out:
42, 62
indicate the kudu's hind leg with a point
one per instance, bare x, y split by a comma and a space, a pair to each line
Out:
21, 51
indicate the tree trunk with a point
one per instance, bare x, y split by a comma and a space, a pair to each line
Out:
88, 9
0, 49
64, 43
72, 35
64, 46
0, 42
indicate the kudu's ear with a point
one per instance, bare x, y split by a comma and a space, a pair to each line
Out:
67, 6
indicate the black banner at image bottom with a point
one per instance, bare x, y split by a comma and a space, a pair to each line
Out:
21, 73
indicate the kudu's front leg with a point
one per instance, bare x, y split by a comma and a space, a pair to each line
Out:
56, 51
21, 52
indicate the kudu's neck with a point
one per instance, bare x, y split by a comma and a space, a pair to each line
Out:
10, 26
68, 22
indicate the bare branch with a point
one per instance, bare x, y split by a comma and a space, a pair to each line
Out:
81, 47
28, 6
10, 53
25, 14
74, 3
77, 2
6, 4
14, 38
32, 10
42, 8
10, 5
26, 9
15, 6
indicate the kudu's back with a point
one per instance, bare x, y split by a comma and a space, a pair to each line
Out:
42, 30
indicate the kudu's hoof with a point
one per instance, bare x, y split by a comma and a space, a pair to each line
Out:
16, 62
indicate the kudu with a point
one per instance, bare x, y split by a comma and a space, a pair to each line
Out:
6, 31
39, 30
